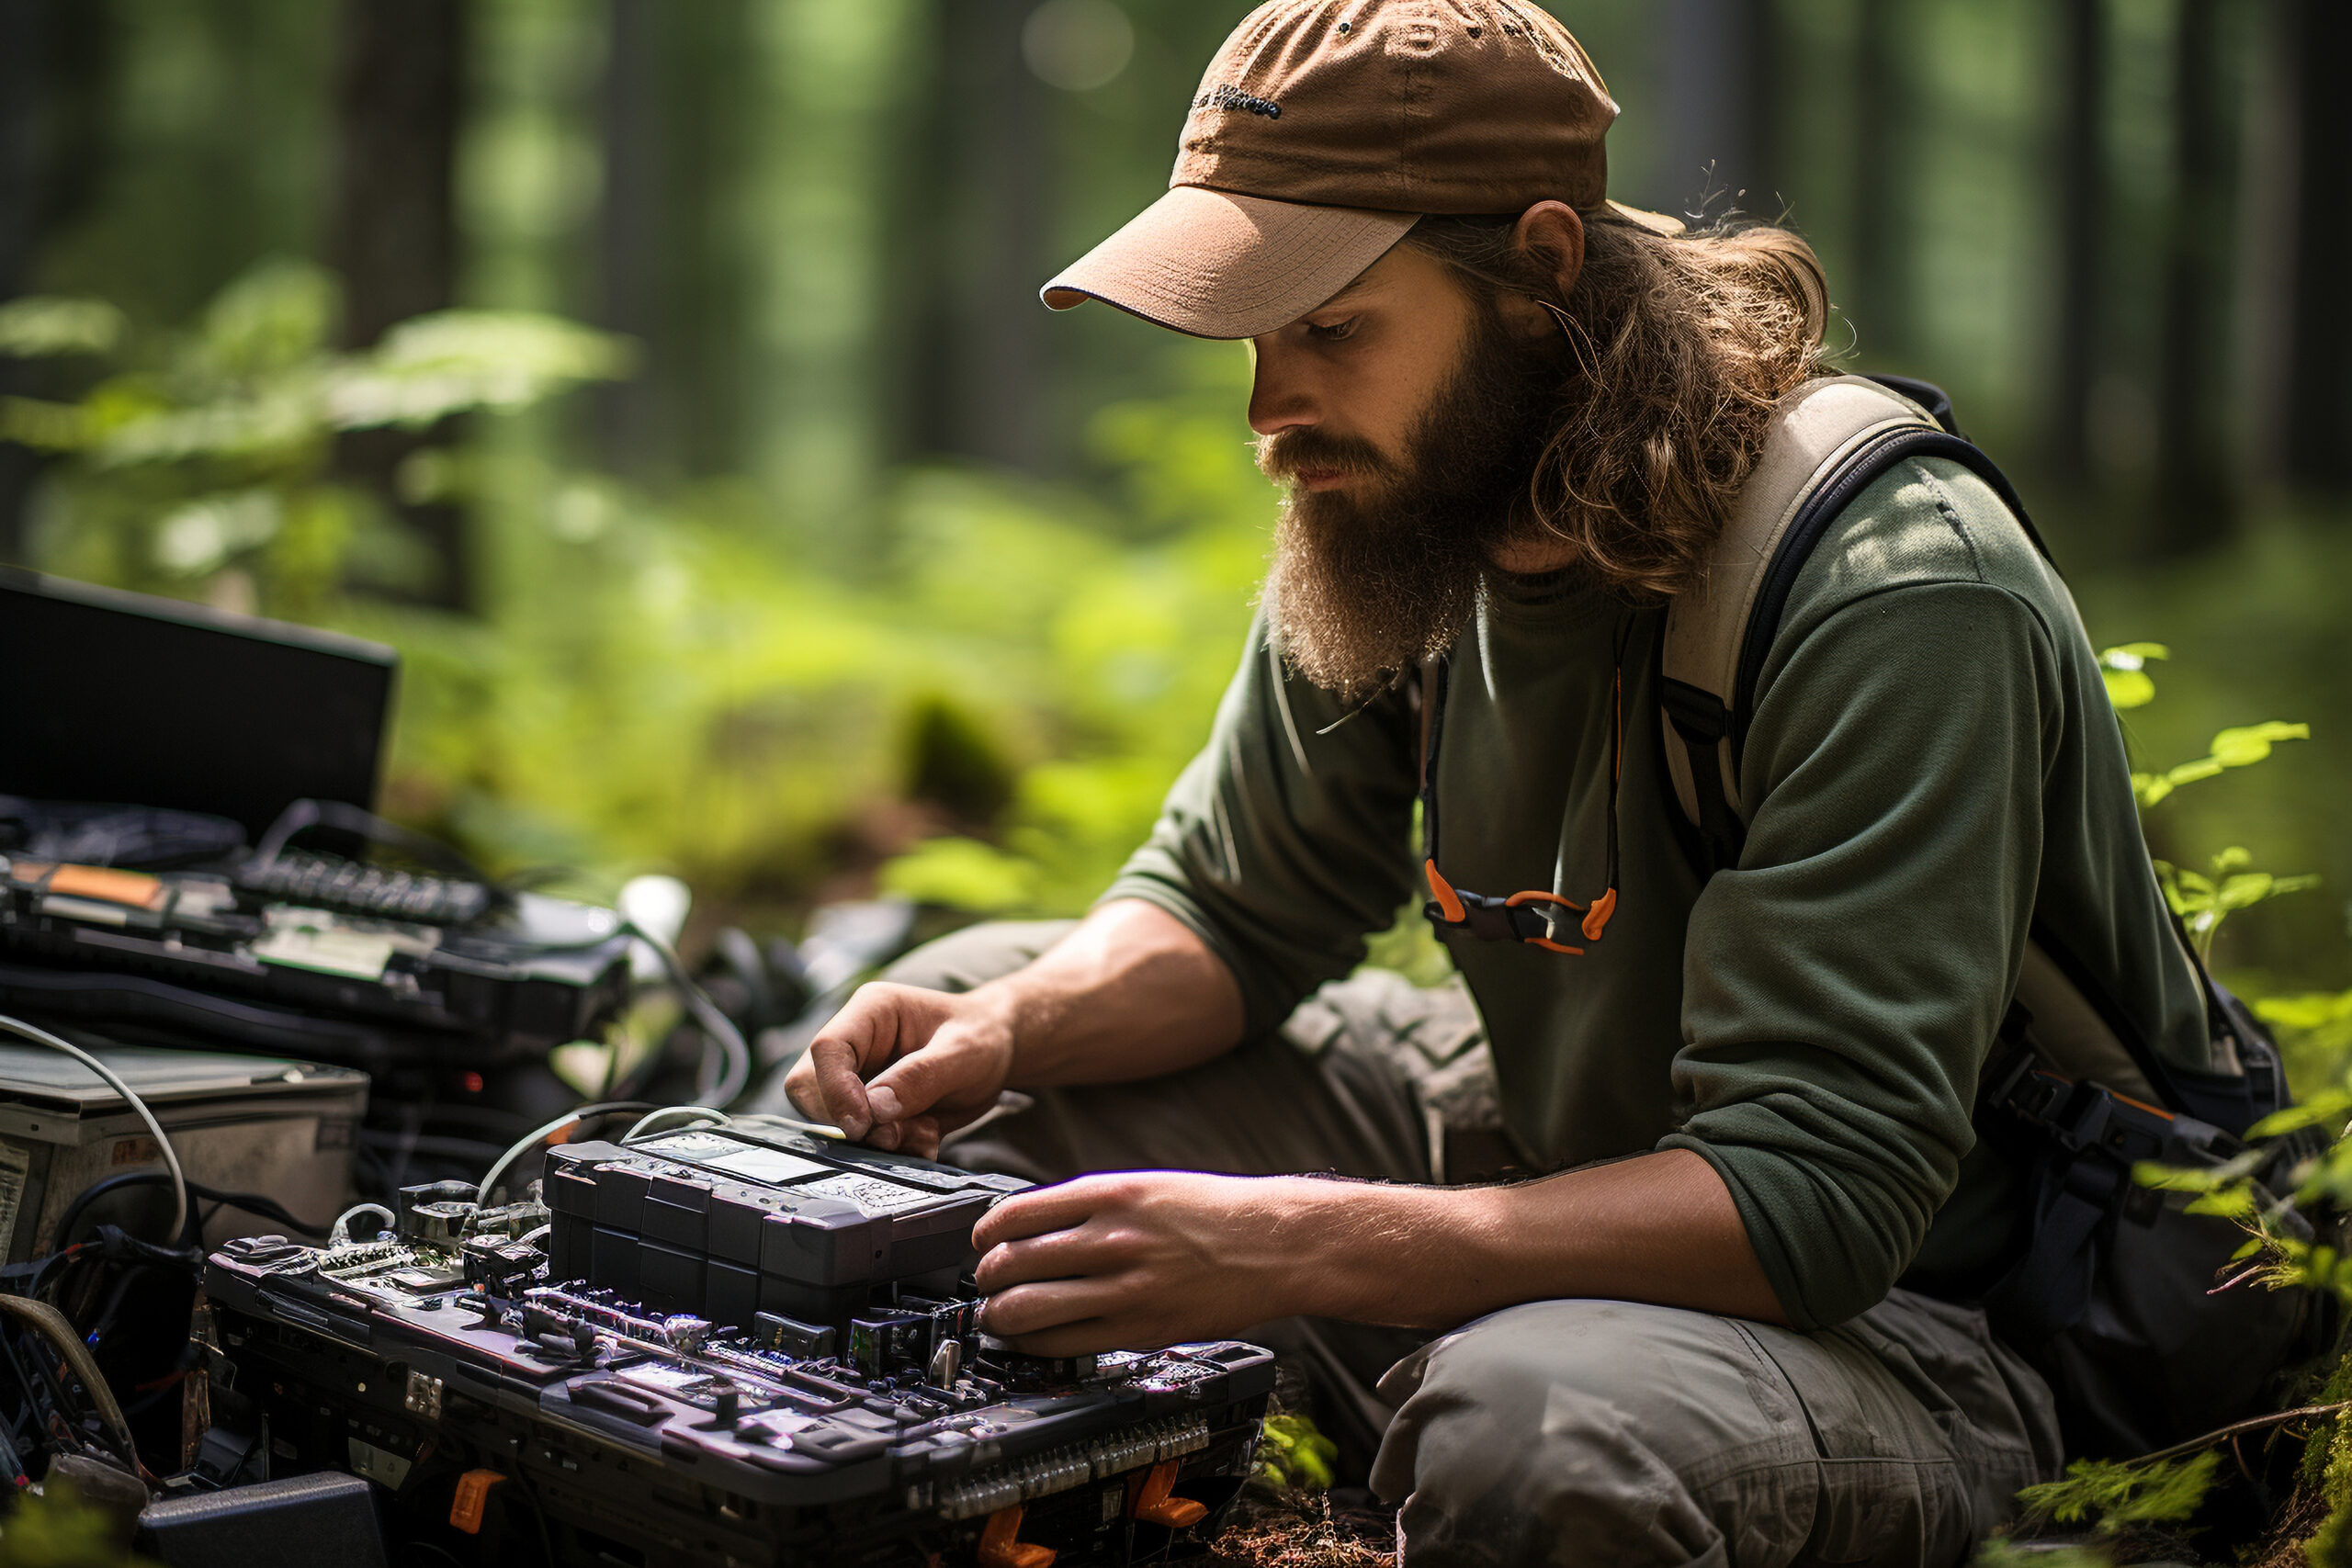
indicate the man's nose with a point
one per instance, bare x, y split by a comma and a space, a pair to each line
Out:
1279, 398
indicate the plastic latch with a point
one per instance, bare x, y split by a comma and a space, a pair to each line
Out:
1001, 1546
1154, 1506
473, 1490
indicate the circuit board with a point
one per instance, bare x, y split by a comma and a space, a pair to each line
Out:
571, 1420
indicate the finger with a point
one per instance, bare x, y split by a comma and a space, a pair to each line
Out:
919, 1080
1054, 1304
833, 1063
800, 1089
1092, 1335
1040, 1210
1082, 1253
921, 1136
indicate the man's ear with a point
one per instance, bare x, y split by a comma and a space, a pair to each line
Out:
1552, 234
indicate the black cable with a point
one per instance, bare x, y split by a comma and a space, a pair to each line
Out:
248, 1203
476, 1151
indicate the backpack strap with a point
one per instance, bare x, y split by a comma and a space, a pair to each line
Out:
1817, 431
1827, 443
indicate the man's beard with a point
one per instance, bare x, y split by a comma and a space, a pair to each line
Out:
1364, 587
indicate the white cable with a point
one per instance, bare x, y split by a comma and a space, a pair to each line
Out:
771, 1119
171, 1159
648, 1119
523, 1146
341, 1234
734, 1052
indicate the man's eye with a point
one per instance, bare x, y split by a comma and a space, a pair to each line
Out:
1337, 332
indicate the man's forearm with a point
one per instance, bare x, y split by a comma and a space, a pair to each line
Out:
1659, 1227
1132, 993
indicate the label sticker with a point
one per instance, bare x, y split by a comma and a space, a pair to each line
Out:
14, 1164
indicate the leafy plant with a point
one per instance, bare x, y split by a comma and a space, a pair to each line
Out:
2115, 1498
201, 463
2122, 1498
55, 1528
2202, 899
1292, 1453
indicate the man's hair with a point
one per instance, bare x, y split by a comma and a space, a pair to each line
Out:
1680, 344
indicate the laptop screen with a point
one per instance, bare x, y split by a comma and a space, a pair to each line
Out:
108, 696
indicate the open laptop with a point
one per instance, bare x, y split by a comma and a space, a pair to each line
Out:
112, 697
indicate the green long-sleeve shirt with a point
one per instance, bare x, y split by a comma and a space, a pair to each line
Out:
1932, 766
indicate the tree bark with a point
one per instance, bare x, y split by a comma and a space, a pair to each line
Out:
2193, 508
398, 100
2319, 390
1881, 293
977, 207
1722, 63
2081, 217
55, 69
674, 118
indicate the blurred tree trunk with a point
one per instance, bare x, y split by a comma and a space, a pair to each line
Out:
392, 234
2318, 444
2194, 508
971, 238
2081, 193
54, 77
675, 118
1881, 296
1723, 63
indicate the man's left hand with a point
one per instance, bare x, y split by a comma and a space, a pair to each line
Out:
1140, 1260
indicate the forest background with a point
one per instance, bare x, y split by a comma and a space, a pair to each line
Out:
816, 556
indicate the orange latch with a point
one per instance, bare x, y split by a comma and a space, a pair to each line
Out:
1001, 1548
1154, 1506
473, 1490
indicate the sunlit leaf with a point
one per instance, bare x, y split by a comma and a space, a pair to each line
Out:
2129, 688
2237, 748
2131, 655
2318, 1110
2228, 1202
39, 325
432, 367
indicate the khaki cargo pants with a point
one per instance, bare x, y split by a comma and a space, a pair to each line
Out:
1560, 1431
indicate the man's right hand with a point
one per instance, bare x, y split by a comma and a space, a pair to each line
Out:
900, 1068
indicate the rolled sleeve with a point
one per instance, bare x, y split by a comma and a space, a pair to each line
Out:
1843, 983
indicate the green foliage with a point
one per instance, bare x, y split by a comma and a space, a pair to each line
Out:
2002, 1553
54, 1528
2128, 685
2116, 1497
1292, 1453
2204, 901
2236, 748
201, 463
36, 326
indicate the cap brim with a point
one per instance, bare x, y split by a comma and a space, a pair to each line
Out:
1216, 263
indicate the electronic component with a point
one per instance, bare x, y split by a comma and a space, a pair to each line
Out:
355, 887
644, 1430
539, 971
244, 1124
731, 1222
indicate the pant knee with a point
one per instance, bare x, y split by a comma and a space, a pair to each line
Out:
1570, 1431
977, 955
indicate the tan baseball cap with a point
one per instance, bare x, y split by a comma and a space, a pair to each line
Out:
1324, 129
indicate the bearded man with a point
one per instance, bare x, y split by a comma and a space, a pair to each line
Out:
1720, 1317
